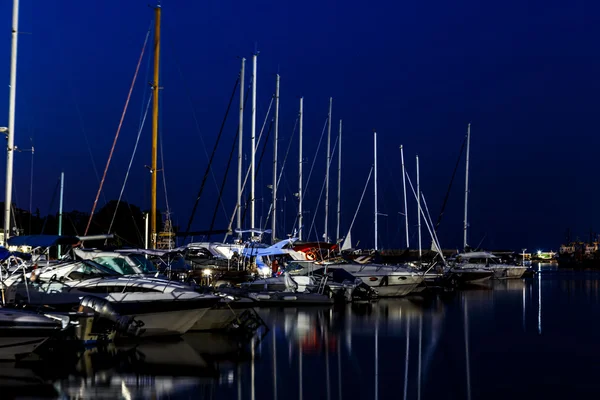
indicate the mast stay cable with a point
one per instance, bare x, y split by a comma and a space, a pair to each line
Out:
320, 196
311, 171
137, 141
212, 156
281, 172
233, 147
439, 220
117, 134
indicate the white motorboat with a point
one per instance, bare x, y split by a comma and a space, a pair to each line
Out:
388, 281
164, 307
487, 261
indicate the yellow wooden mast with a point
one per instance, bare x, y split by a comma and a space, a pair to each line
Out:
156, 88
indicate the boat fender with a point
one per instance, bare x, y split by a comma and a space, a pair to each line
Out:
103, 309
290, 298
262, 297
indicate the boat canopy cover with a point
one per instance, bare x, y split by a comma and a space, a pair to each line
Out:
476, 254
150, 252
42, 240
5, 253
305, 246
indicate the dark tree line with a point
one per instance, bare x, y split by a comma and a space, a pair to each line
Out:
128, 226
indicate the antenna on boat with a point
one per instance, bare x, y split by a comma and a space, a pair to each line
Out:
275, 140
419, 209
466, 223
327, 170
155, 88
339, 188
10, 130
300, 195
240, 149
253, 152
405, 202
375, 185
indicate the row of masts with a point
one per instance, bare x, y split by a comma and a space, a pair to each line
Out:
154, 168
274, 186
418, 195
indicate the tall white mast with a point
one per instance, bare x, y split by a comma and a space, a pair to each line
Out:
274, 201
327, 170
375, 185
339, 188
253, 157
300, 221
419, 208
60, 208
405, 202
11, 120
240, 149
466, 224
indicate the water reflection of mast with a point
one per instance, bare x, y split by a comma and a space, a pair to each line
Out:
524, 306
274, 365
419, 368
406, 358
466, 329
327, 367
300, 395
252, 389
539, 299
339, 357
376, 358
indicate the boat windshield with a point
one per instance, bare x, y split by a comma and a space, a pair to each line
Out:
89, 269
480, 260
146, 266
117, 264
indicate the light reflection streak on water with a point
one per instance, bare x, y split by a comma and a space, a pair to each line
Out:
466, 329
539, 300
406, 358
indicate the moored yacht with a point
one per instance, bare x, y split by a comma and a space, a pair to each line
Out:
487, 261
164, 307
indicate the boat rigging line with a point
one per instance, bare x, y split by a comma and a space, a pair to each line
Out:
439, 220
235, 210
262, 153
233, 147
362, 196
137, 140
137, 68
212, 156
429, 227
281, 171
321, 195
311, 171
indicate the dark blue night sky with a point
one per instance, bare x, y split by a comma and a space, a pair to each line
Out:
525, 73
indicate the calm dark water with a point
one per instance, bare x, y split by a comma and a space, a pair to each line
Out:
532, 338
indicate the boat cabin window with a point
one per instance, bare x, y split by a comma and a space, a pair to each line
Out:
145, 265
117, 289
199, 253
87, 270
117, 264
484, 261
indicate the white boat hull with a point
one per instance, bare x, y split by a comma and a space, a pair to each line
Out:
503, 272
169, 323
391, 288
215, 319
